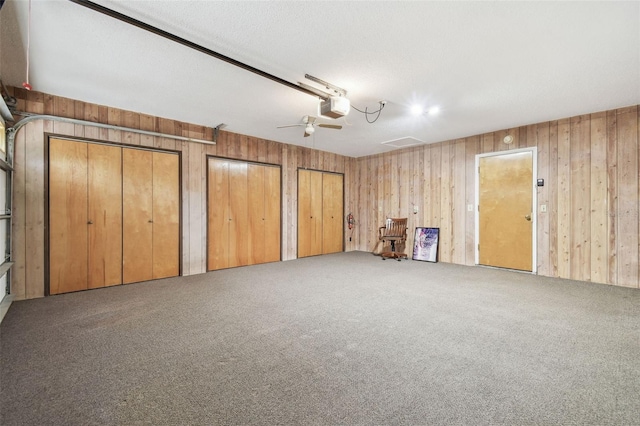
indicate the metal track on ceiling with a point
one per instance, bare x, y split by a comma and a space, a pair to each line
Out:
162, 33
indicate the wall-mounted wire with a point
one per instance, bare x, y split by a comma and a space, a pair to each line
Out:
367, 113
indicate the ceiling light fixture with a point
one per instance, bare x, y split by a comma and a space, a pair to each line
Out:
417, 110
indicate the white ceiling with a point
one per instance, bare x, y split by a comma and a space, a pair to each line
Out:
487, 65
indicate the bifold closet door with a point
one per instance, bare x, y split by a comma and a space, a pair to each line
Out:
151, 215
105, 215
68, 233
256, 219
332, 211
218, 214
166, 215
272, 219
137, 201
85, 216
263, 196
320, 212
238, 215
304, 213
309, 213
243, 214
113, 215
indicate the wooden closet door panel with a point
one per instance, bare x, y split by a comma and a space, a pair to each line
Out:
137, 206
67, 216
316, 213
304, 213
166, 215
256, 213
218, 214
238, 223
105, 215
272, 209
332, 212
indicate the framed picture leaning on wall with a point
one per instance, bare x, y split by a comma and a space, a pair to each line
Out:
425, 244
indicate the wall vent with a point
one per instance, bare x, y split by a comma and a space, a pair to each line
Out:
403, 142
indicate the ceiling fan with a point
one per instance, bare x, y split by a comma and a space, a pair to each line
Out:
309, 123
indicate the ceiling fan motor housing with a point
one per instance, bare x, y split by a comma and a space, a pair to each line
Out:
335, 107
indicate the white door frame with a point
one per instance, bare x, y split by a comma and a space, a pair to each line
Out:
534, 202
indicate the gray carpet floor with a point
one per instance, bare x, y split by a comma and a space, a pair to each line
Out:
344, 339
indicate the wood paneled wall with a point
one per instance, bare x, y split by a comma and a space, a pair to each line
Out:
590, 164
29, 178
590, 167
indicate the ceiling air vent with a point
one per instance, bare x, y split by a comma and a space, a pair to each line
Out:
403, 142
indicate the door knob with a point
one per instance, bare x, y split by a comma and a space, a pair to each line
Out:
528, 217
150, 221
90, 223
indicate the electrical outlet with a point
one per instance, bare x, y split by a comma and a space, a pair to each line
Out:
415, 209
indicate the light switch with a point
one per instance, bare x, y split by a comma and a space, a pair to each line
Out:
469, 207
543, 208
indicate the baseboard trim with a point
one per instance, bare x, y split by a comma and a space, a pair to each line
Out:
4, 306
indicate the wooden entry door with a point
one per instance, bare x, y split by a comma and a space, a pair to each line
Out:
505, 210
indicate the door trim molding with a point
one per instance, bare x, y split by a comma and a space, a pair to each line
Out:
534, 202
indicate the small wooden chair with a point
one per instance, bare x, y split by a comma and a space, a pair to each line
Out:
394, 232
